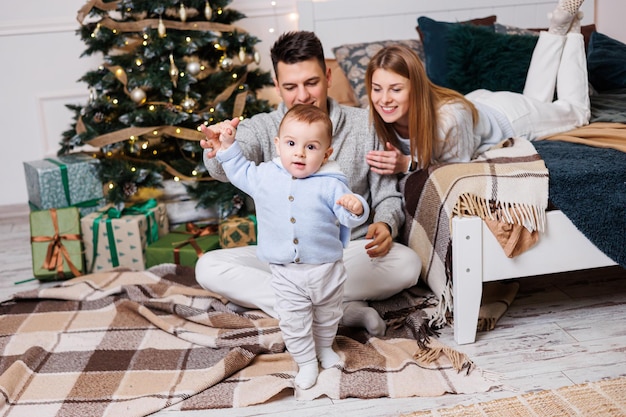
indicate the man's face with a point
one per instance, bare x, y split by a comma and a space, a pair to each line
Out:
303, 83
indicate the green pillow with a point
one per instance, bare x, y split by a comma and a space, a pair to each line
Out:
606, 62
434, 37
480, 58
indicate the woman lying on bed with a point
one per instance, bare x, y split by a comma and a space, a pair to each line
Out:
422, 123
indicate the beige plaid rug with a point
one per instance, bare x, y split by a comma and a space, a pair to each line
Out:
129, 343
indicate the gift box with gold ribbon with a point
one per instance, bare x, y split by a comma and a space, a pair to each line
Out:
64, 181
114, 237
237, 231
183, 245
56, 244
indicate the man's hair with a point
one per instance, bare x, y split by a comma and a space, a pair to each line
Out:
310, 114
297, 46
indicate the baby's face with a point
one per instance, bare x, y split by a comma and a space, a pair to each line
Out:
303, 147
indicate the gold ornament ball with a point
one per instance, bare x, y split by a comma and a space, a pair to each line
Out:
138, 96
193, 67
188, 104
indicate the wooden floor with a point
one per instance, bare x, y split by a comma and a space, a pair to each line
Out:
562, 329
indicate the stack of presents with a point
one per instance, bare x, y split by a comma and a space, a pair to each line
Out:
75, 232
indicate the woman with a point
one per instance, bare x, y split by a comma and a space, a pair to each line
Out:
422, 123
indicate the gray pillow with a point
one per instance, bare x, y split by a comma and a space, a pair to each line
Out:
353, 60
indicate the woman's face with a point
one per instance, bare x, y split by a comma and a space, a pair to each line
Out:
390, 97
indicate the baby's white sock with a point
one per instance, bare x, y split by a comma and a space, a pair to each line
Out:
360, 314
327, 356
307, 374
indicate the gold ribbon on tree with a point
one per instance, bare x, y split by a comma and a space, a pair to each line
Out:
138, 26
57, 252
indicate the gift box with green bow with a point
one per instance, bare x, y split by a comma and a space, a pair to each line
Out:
56, 245
64, 181
114, 237
183, 245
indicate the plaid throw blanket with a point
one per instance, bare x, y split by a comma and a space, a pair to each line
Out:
508, 183
130, 343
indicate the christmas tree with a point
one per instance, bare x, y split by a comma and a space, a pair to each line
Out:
168, 67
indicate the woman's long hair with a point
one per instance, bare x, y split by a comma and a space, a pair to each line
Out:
425, 98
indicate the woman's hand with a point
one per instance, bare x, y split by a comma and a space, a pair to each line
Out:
391, 161
381, 240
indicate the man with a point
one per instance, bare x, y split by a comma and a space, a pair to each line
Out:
377, 266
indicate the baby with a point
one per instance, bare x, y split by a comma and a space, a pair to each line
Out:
304, 210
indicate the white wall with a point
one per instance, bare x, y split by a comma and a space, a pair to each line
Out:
610, 18
41, 65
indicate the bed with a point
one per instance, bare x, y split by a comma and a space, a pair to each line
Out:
352, 31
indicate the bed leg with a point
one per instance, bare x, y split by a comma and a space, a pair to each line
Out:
467, 276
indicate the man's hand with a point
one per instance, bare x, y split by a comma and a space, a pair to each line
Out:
391, 161
212, 133
381, 240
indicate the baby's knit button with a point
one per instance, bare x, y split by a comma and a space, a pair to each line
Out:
297, 260
292, 220
290, 198
295, 241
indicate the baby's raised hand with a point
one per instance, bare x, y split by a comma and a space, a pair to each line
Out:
219, 135
351, 203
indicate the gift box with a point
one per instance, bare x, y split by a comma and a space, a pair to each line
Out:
182, 208
181, 212
56, 245
115, 237
237, 231
183, 245
65, 181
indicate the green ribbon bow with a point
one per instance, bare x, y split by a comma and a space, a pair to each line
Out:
113, 213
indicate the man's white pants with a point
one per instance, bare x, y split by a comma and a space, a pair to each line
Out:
238, 275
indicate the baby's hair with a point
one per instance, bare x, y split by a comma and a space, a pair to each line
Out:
309, 114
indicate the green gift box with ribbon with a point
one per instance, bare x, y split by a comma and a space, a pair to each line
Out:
56, 245
64, 181
183, 245
119, 238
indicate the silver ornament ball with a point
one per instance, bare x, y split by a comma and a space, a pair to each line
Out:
193, 67
138, 95
227, 64
189, 104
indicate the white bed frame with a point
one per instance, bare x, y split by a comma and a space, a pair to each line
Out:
477, 256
